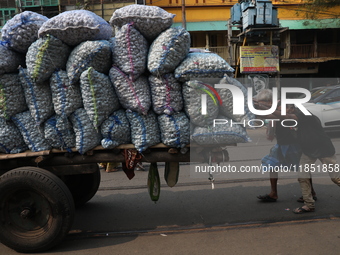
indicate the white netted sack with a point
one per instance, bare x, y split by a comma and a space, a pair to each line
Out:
133, 95
221, 134
144, 129
66, 97
62, 139
168, 50
76, 26
193, 103
38, 97
175, 129
130, 51
115, 130
202, 65
96, 54
33, 136
22, 30
11, 140
10, 60
227, 101
87, 136
166, 93
149, 20
99, 98
46, 55
12, 99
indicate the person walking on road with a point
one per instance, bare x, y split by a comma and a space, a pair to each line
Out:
286, 152
315, 144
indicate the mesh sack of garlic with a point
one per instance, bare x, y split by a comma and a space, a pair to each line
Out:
77, 26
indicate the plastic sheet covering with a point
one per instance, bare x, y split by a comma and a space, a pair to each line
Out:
22, 30
144, 130
32, 135
115, 130
10, 60
193, 92
130, 51
99, 97
46, 55
96, 54
12, 99
133, 95
149, 20
223, 133
202, 65
38, 97
87, 136
166, 93
77, 26
62, 139
11, 140
168, 50
175, 129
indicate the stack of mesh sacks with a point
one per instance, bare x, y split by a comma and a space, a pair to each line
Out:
68, 82
217, 125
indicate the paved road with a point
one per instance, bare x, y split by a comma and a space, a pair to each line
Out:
193, 218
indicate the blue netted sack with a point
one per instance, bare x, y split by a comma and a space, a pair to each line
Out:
99, 97
22, 30
130, 51
66, 97
10, 60
175, 129
96, 54
166, 93
226, 108
11, 140
202, 65
46, 55
12, 98
87, 136
32, 135
222, 133
133, 95
144, 129
115, 130
62, 139
38, 97
192, 96
168, 50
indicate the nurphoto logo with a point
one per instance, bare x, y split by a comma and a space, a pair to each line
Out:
239, 102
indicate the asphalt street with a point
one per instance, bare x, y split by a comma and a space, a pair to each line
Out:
193, 218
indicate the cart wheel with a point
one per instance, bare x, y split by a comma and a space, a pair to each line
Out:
83, 186
36, 209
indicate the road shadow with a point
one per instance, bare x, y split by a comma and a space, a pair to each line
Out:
117, 212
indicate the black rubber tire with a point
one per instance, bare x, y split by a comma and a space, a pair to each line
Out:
83, 187
36, 209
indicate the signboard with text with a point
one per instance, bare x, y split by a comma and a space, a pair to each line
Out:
259, 59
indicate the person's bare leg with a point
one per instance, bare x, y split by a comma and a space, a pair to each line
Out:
273, 177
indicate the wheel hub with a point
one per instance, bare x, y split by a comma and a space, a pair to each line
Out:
27, 213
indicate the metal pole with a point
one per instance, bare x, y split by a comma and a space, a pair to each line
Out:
184, 22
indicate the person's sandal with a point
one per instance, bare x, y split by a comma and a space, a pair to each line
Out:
266, 198
301, 210
300, 199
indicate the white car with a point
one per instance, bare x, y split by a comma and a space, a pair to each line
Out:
325, 104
